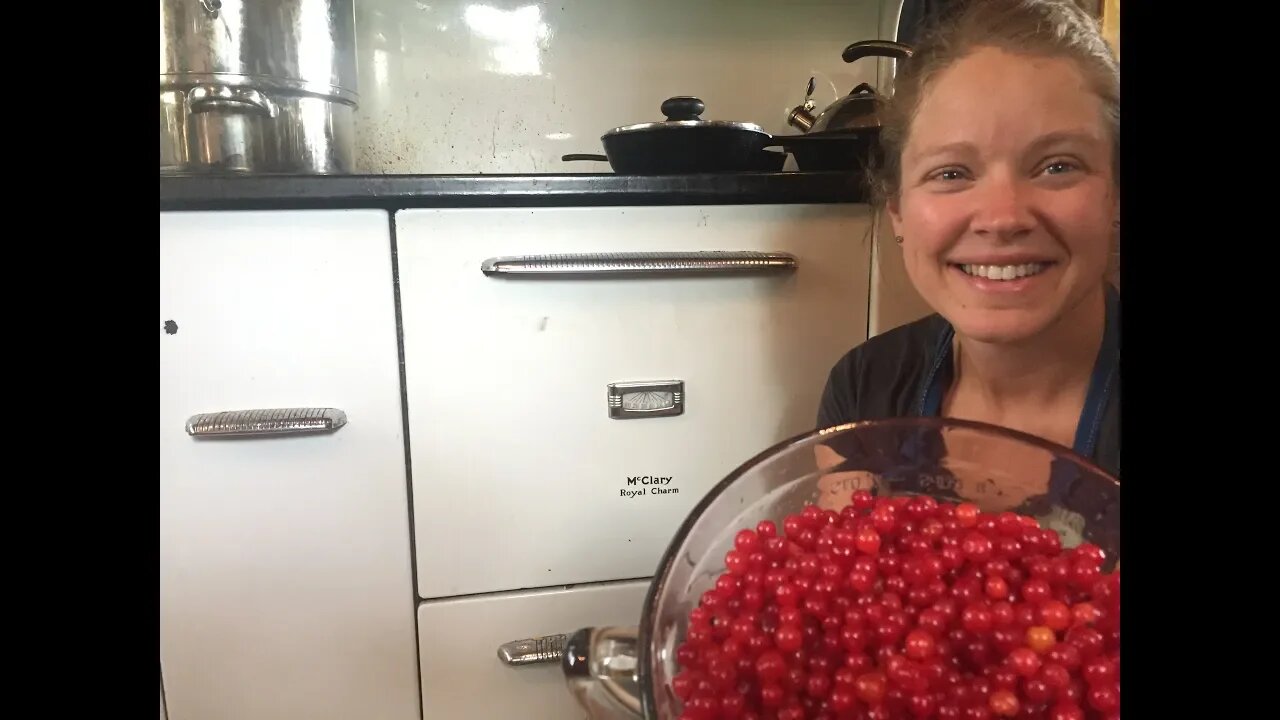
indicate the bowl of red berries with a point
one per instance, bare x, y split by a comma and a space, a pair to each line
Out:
915, 568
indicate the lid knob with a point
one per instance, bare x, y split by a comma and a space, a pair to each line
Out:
683, 107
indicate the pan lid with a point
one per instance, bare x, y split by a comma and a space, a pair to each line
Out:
684, 112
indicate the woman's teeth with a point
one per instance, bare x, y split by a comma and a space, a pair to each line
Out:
1004, 272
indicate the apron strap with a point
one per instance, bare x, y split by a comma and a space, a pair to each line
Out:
929, 404
1105, 369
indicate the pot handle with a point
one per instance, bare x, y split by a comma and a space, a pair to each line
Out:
877, 48
224, 98
599, 667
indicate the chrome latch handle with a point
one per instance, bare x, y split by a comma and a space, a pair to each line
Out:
265, 422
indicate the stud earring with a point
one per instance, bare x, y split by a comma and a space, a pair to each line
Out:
898, 238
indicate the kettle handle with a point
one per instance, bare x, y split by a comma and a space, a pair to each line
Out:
877, 48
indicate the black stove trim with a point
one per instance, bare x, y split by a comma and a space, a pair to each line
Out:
395, 192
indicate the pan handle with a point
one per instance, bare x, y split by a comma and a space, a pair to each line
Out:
877, 48
583, 156
850, 136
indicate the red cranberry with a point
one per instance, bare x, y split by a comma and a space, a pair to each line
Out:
903, 608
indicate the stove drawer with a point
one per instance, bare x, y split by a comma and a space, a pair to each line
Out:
462, 676
563, 424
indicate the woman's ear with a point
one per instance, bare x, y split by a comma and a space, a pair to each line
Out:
893, 209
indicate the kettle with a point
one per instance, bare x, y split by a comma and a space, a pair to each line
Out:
856, 111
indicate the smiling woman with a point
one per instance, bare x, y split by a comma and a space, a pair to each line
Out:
1000, 177
1010, 203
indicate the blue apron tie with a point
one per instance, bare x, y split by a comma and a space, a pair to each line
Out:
936, 382
1102, 381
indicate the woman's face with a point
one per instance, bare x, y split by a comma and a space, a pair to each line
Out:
1007, 203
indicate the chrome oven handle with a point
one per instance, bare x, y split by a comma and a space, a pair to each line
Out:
265, 422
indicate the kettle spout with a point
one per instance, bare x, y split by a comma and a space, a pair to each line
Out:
800, 118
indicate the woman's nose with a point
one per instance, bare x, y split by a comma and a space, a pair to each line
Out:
1003, 212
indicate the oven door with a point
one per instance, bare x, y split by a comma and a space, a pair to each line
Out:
567, 412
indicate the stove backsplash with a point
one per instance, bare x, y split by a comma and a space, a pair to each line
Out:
509, 86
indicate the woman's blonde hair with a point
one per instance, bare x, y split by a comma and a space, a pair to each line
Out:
1044, 28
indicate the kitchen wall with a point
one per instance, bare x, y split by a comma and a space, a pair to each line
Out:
509, 86
1111, 23
893, 301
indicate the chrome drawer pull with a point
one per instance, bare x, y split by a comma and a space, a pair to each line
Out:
546, 649
633, 264
266, 423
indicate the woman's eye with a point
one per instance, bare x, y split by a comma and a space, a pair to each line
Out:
948, 175
1059, 167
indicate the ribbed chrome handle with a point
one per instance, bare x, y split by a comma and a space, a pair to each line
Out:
266, 422
546, 649
710, 262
